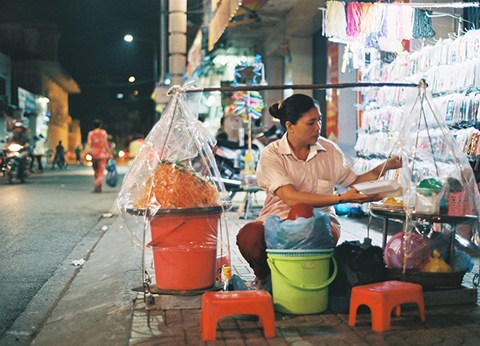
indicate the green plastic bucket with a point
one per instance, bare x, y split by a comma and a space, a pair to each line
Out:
300, 280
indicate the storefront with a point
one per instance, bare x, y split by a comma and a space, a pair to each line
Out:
35, 115
401, 42
431, 123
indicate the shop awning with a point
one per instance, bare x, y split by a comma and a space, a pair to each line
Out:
194, 56
224, 13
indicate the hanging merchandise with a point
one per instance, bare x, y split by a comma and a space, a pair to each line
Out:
422, 25
259, 71
451, 71
372, 19
334, 21
404, 23
472, 16
250, 75
354, 15
436, 133
248, 104
373, 24
434, 176
432, 160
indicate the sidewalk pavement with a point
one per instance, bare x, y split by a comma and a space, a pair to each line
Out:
101, 307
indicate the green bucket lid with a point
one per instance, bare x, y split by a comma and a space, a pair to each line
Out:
428, 186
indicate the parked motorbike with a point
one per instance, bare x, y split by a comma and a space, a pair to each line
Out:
226, 159
230, 159
3, 162
261, 140
16, 159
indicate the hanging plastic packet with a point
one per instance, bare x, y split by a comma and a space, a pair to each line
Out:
436, 177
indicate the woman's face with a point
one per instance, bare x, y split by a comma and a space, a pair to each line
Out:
307, 129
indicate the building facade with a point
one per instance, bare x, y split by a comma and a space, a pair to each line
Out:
36, 86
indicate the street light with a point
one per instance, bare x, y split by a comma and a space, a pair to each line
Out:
129, 38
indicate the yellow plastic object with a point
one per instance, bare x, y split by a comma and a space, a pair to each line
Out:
249, 163
227, 272
436, 264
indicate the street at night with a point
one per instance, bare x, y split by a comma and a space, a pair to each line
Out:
46, 224
239, 172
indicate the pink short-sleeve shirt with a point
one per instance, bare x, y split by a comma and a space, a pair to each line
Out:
324, 168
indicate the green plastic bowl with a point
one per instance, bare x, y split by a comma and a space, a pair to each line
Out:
428, 186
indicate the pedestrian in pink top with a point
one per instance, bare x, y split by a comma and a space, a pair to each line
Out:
299, 172
99, 149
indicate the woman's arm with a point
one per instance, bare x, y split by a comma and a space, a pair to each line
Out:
379, 171
291, 197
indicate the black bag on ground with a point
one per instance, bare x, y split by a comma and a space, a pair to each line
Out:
358, 264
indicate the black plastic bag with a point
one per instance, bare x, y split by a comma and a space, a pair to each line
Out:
358, 264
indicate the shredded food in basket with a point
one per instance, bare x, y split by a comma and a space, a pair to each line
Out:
174, 185
393, 202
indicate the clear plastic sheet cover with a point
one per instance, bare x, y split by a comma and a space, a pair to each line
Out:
175, 167
436, 174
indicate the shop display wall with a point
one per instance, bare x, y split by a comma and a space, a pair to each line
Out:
451, 69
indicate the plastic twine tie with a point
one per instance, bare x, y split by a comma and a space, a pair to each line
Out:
174, 90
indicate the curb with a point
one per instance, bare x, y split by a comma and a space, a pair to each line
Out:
42, 306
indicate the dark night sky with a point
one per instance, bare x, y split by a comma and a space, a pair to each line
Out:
92, 51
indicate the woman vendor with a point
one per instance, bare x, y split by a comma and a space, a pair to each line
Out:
299, 172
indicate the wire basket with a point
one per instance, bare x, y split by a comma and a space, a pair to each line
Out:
300, 253
428, 280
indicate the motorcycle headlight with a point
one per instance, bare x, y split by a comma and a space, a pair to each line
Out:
14, 147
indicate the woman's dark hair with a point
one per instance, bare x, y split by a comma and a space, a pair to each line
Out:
96, 124
292, 108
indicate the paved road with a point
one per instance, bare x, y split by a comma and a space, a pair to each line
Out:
45, 224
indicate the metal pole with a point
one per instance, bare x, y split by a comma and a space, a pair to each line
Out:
155, 80
163, 39
300, 86
155, 64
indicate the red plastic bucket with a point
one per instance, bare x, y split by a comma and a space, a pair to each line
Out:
185, 247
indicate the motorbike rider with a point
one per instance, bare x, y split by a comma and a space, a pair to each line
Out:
20, 136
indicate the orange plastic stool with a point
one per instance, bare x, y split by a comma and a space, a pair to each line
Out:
216, 305
381, 298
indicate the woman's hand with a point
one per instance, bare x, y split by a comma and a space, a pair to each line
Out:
393, 162
353, 196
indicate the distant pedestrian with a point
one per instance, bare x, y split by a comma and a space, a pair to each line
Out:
38, 152
59, 157
78, 155
100, 150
